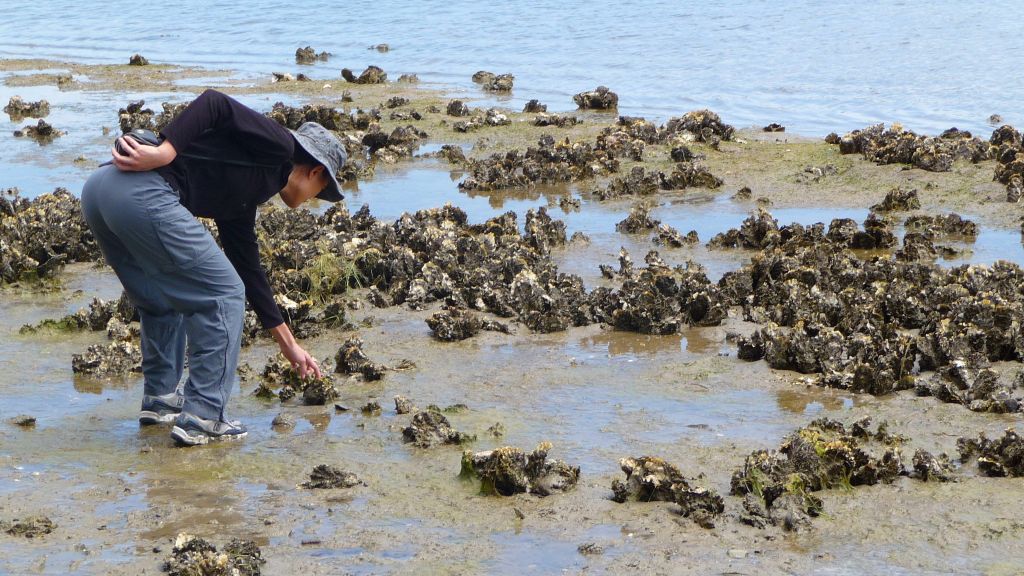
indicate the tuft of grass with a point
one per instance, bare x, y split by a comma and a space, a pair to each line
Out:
330, 274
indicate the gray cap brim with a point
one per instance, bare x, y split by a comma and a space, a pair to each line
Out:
332, 193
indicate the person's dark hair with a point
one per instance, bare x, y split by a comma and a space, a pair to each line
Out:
302, 158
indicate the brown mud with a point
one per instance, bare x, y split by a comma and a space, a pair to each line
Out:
596, 365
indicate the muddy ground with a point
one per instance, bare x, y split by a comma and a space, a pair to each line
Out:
119, 494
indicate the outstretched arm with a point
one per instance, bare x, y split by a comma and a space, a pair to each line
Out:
242, 248
300, 360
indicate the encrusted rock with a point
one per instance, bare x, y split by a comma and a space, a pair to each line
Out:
822, 455
308, 55
704, 125
403, 405
41, 131
283, 420
534, 107
1002, 456
649, 478
30, 527
639, 220
118, 358
194, 556
372, 75
278, 373
23, 421
600, 98
431, 428
899, 199
483, 77
351, 359
458, 108
896, 145
500, 83
669, 236
19, 109
508, 470
942, 226
930, 468
325, 476
555, 120
458, 324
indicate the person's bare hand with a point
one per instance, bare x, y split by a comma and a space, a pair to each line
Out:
301, 361
139, 157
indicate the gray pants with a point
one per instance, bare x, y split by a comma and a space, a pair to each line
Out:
185, 288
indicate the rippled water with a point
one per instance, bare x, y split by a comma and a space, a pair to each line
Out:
815, 67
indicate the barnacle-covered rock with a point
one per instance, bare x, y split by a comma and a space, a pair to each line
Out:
980, 389
19, 109
705, 125
690, 175
600, 98
30, 527
1002, 456
115, 359
431, 428
534, 107
639, 220
508, 470
292, 117
929, 468
896, 145
458, 108
649, 478
325, 477
459, 324
134, 116
278, 373
636, 183
660, 300
669, 236
42, 131
942, 226
899, 199
372, 75
194, 556
351, 359
403, 405
820, 456
500, 83
308, 55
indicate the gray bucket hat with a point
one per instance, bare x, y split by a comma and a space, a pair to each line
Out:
325, 148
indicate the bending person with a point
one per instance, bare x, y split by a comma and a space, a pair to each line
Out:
220, 160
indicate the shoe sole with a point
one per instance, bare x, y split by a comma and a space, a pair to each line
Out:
148, 418
182, 436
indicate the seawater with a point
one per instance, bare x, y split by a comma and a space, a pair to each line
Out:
815, 67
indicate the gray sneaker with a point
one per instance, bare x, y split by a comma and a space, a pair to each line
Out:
160, 409
191, 430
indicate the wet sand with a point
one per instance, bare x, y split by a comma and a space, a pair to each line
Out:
119, 494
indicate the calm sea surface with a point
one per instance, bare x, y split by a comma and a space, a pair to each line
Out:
812, 66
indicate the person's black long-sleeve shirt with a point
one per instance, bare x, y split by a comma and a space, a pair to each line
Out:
230, 160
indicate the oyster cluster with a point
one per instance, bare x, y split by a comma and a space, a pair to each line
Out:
778, 485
